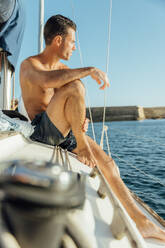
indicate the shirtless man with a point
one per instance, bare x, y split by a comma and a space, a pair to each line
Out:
54, 100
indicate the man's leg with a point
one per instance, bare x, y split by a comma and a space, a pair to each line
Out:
110, 171
62, 110
67, 111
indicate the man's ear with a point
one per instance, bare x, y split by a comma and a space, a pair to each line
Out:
57, 40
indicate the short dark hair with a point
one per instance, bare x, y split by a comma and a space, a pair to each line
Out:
57, 25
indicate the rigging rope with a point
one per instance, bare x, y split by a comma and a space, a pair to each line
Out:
82, 64
107, 68
133, 166
106, 135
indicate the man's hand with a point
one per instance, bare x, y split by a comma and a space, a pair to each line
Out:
100, 76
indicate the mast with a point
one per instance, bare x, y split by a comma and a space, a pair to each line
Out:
41, 26
5, 82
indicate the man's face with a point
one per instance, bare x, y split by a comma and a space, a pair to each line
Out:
68, 45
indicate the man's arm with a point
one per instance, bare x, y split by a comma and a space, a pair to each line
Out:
59, 78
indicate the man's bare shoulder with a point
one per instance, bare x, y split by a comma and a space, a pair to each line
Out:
30, 70
30, 63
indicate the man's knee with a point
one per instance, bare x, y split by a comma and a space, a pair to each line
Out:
77, 88
74, 88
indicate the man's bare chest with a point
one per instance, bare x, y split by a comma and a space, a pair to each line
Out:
47, 93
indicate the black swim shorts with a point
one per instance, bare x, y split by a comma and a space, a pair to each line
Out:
46, 132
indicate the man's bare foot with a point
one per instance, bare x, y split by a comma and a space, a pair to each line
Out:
150, 230
85, 155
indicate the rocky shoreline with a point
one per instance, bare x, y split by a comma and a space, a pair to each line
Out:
127, 113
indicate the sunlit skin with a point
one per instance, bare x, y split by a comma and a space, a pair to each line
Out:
49, 85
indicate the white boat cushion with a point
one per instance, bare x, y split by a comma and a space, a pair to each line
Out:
13, 124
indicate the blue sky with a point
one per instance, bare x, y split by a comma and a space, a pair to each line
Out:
137, 46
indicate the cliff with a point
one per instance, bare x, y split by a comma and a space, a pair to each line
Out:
126, 113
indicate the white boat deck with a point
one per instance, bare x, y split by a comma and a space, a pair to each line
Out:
96, 218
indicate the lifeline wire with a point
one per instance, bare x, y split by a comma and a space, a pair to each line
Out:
133, 166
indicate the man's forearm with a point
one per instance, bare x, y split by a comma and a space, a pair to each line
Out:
59, 78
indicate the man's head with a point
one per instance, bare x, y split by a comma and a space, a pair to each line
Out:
60, 31
57, 25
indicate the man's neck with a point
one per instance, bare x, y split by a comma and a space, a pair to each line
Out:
49, 59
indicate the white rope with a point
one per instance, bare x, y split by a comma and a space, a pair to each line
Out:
107, 70
82, 64
106, 135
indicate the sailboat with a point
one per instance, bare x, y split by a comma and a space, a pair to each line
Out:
35, 176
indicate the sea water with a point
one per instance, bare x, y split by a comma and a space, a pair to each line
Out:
138, 148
